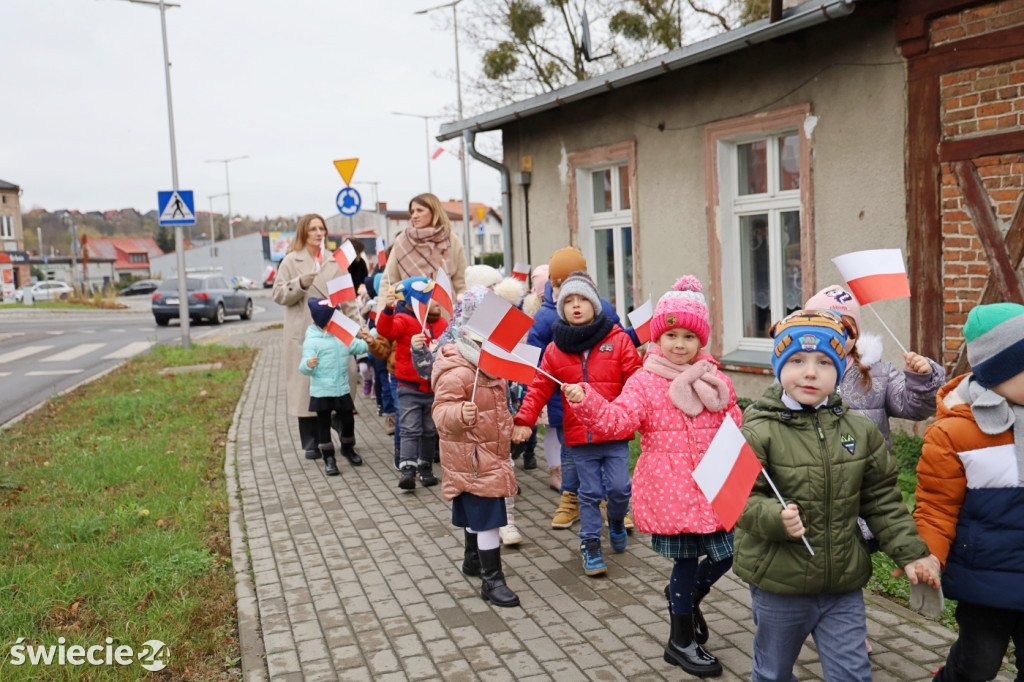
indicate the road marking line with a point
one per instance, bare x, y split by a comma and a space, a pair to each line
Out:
57, 333
10, 335
116, 331
22, 353
74, 353
54, 372
131, 350
5, 374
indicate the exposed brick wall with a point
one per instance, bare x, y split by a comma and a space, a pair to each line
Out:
964, 265
983, 100
976, 21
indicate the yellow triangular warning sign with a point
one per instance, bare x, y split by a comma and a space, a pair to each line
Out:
480, 212
346, 167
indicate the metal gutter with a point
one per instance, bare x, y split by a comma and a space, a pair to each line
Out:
506, 196
809, 14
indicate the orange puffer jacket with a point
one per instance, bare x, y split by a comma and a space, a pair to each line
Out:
474, 457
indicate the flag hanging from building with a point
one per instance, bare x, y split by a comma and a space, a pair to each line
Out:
874, 275
520, 365
521, 272
640, 318
341, 289
343, 327
345, 255
727, 473
498, 321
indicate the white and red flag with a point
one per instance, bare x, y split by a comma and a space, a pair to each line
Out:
520, 365
340, 289
268, 273
345, 255
499, 322
875, 275
343, 327
437, 152
640, 318
727, 473
319, 261
382, 256
443, 292
521, 272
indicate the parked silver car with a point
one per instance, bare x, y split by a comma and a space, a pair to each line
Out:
209, 297
44, 291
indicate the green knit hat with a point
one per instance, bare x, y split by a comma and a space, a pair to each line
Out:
995, 342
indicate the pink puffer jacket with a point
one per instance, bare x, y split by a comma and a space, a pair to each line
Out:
666, 501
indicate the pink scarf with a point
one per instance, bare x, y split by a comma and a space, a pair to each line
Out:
695, 387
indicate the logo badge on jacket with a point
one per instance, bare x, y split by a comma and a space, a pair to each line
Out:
849, 442
808, 342
605, 347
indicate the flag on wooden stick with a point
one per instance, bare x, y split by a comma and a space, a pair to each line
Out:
499, 322
341, 289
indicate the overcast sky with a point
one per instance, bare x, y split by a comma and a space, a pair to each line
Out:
292, 84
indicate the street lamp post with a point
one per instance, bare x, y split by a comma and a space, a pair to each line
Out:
426, 132
213, 230
227, 179
465, 157
179, 236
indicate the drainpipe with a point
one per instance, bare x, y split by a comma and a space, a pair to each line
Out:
506, 203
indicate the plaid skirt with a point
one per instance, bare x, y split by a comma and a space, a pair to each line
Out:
717, 546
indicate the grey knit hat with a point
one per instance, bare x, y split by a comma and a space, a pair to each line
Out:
579, 283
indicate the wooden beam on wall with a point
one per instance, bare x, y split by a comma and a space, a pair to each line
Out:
1010, 142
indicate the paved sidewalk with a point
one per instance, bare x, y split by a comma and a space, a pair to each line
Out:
353, 579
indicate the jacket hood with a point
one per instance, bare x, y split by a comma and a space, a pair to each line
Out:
870, 348
949, 402
549, 298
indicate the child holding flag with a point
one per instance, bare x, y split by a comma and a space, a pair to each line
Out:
832, 465
325, 361
399, 322
678, 402
587, 346
475, 427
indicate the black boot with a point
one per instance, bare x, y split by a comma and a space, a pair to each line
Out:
494, 588
427, 477
529, 460
330, 465
471, 559
348, 451
408, 479
700, 626
683, 650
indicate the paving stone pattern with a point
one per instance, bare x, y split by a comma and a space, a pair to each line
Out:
357, 580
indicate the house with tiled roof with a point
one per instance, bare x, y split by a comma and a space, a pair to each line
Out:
131, 255
12, 238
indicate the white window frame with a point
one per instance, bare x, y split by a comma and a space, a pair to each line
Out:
615, 220
6, 227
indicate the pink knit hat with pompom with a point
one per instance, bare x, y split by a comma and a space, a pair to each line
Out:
684, 307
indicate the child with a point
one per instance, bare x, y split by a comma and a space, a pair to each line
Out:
399, 323
677, 401
832, 466
970, 494
475, 432
587, 346
325, 361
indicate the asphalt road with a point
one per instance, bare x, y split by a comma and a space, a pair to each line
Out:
43, 353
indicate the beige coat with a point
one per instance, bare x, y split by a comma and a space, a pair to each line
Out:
392, 275
288, 293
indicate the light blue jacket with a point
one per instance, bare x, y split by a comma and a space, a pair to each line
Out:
330, 376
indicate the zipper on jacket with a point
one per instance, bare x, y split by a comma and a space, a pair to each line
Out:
828, 497
583, 357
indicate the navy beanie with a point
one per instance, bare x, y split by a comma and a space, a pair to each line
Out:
321, 313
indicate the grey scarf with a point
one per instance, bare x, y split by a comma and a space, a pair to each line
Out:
994, 415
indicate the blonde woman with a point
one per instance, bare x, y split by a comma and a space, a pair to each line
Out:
428, 244
291, 289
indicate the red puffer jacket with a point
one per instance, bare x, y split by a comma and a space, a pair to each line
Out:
400, 325
605, 369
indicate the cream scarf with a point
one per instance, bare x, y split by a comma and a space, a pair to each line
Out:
695, 387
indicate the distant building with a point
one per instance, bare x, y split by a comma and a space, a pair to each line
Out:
131, 257
12, 237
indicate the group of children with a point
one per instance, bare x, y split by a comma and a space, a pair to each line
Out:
821, 433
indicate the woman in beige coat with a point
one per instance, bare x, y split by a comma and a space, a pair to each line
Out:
428, 244
291, 289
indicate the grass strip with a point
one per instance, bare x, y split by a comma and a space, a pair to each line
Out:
114, 521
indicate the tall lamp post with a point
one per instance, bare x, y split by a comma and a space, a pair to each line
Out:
179, 237
426, 132
465, 157
213, 231
227, 179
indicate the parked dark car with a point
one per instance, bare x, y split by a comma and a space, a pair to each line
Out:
143, 286
209, 297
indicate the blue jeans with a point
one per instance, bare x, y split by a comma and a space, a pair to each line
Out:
836, 621
603, 470
382, 379
394, 400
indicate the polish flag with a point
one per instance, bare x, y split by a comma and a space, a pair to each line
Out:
437, 152
727, 473
269, 273
443, 292
341, 289
521, 271
343, 327
640, 318
319, 261
520, 365
382, 257
875, 275
499, 322
345, 256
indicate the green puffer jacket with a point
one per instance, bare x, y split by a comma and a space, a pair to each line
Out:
834, 465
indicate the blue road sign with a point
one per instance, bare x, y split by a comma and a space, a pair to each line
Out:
176, 207
348, 201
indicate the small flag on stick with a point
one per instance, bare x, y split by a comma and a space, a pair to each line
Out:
443, 292
437, 152
269, 273
875, 275
497, 321
340, 289
382, 256
640, 318
343, 327
345, 255
727, 473
319, 257
519, 365
521, 272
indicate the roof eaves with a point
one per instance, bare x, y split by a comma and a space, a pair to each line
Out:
803, 16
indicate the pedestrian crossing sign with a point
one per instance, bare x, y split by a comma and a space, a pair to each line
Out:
176, 207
